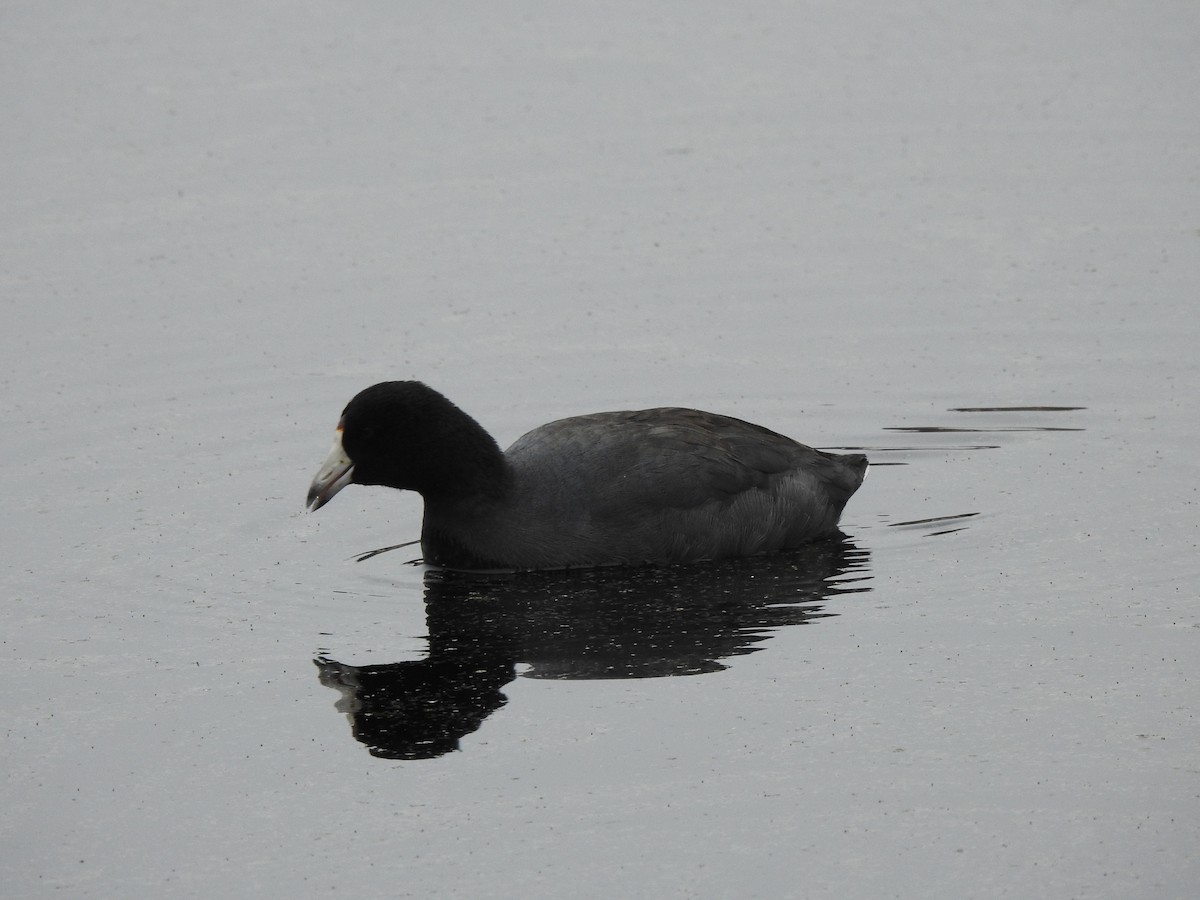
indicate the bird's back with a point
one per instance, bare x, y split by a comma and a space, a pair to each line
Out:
659, 485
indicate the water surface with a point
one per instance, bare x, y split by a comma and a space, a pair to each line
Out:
962, 240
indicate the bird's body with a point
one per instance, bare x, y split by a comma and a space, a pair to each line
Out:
662, 485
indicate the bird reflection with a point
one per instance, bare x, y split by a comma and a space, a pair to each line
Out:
594, 623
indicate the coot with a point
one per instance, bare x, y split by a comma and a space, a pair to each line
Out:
613, 488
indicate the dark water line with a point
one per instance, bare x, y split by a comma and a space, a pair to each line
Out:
931, 449
1016, 408
934, 429
933, 519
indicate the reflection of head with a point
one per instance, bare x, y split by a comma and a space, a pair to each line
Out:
417, 709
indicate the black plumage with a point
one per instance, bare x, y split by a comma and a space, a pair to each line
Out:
665, 485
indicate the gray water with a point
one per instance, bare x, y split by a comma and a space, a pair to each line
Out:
962, 237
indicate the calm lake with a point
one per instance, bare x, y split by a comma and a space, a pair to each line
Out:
963, 240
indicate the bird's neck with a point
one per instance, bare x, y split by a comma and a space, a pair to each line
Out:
466, 465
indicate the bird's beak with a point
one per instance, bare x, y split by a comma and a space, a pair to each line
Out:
336, 472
